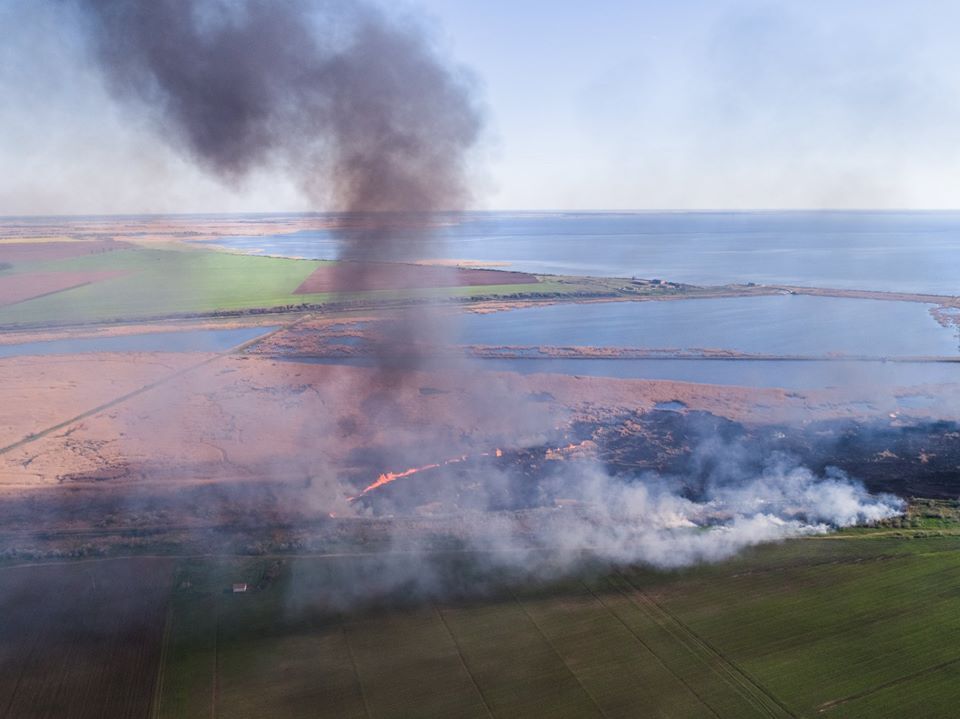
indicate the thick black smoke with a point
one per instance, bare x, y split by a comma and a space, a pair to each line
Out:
355, 105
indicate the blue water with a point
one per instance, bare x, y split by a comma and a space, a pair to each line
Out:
779, 325
671, 406
752, 373
902, 251
180, 341
785, 374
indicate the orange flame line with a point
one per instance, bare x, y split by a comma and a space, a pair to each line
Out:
388, 477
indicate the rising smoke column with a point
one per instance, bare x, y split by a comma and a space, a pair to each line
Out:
357, 107
352, 103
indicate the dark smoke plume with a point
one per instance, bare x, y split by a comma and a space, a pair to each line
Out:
355, 105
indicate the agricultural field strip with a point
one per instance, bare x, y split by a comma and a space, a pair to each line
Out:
215, 684
85, 662
168, 283
828, 706
679, 677
141, 390
26, 659
39, 295
463, 661
356, 670
528, 679
164, 643
559, 656
732, 674
878, 661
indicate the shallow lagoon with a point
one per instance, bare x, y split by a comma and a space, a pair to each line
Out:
776, 325
785, 374
204, 340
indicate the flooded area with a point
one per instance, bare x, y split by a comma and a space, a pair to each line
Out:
774, 325
785, 374
203, 340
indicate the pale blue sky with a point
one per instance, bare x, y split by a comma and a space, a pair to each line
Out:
681, 104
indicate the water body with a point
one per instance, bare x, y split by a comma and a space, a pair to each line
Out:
753, 373
778, 325
895, 251
758, 373
180, 341
671, 406
785, 374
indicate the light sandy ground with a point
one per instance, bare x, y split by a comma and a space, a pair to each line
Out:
235, 418
40, 392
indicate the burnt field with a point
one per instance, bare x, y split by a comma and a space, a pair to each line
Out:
905, 458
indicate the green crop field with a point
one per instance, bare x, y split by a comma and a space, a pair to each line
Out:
854, 625
849, 626
172, 281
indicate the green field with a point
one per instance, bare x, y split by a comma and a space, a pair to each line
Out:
851, 626
861, 624
171, 281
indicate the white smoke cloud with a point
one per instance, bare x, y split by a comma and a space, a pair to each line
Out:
647, 521
587, 517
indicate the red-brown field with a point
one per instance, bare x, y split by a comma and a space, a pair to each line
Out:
18, 288
16, 252
365, 276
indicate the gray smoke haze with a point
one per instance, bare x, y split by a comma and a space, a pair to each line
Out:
354, 104
601, 520
357, 106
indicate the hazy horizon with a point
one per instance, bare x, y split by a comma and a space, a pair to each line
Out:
726, 105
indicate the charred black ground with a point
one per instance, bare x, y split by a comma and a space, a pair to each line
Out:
907, 458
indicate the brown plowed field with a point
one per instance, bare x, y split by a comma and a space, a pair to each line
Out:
17, 288
16, 252
363, 276
82, 640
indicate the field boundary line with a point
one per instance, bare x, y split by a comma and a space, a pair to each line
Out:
834, 703
731, 681
23, 670
215, 688
463, 661
558, 654
158, 683
646, 646
33, 437
356, 670
715, 659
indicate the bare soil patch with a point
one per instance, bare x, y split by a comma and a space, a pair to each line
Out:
365, 276
40, 392
19, 288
